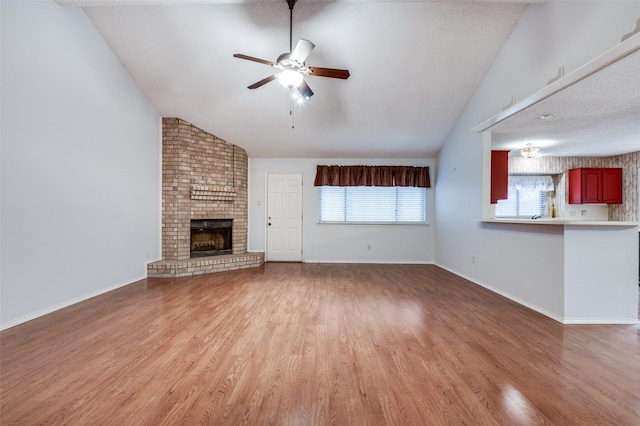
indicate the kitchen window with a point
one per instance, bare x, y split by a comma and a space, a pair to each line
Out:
527, 196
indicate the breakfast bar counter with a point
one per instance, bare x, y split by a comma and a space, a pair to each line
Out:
565, 222
592, 267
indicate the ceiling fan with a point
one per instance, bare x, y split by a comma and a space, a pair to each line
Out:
291, 66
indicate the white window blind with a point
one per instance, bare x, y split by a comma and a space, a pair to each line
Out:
372, 204
526, 197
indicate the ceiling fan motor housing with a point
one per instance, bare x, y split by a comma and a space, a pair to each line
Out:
283, 57
284, 61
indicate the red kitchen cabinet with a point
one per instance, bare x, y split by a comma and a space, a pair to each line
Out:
595, 186
612, 186
499, 175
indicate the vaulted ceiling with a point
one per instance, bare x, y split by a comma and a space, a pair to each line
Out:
597, 116
414, 66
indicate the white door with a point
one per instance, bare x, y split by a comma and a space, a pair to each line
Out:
284, 217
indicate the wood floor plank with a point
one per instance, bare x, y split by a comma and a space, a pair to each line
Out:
292, 344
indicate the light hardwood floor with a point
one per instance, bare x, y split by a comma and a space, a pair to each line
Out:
298, 344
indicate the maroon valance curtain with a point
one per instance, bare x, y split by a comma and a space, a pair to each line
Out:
372, 176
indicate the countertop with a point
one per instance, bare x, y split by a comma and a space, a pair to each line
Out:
563, 222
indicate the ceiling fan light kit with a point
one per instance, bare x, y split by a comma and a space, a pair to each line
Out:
290, 78
292, 65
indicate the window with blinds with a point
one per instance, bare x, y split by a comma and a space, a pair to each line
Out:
522, 203
527, 196
372, 204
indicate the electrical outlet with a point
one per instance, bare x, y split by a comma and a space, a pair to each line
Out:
583, 213
473, 259
368, 246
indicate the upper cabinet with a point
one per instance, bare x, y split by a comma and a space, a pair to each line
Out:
595, 186
499, 175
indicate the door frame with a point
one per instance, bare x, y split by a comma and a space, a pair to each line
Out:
266, 210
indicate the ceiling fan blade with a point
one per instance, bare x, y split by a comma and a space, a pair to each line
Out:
302, 50
262, 82
251, 58
304, 90
329, 72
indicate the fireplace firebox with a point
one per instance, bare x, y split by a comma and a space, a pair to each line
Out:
211, 237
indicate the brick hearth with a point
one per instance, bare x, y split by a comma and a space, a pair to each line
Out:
203, 177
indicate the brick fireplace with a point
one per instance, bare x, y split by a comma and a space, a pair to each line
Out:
203, 178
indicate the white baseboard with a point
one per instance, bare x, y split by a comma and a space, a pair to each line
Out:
372, 262
509, 296
560, 319
543, 311
602, 321
65, 304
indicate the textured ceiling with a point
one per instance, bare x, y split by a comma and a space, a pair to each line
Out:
414, 66
596, 116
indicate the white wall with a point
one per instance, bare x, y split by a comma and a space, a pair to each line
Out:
547, 36
80, 176
340, 243
612, 295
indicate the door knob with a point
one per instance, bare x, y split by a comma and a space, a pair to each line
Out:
269, 223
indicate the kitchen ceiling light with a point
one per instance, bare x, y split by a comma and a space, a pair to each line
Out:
529, 151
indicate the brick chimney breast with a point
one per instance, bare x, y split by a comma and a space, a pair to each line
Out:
203, 177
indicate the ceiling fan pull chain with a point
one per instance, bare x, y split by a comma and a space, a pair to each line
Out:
291, 107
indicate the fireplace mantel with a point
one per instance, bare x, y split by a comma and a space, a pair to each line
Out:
213, 193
